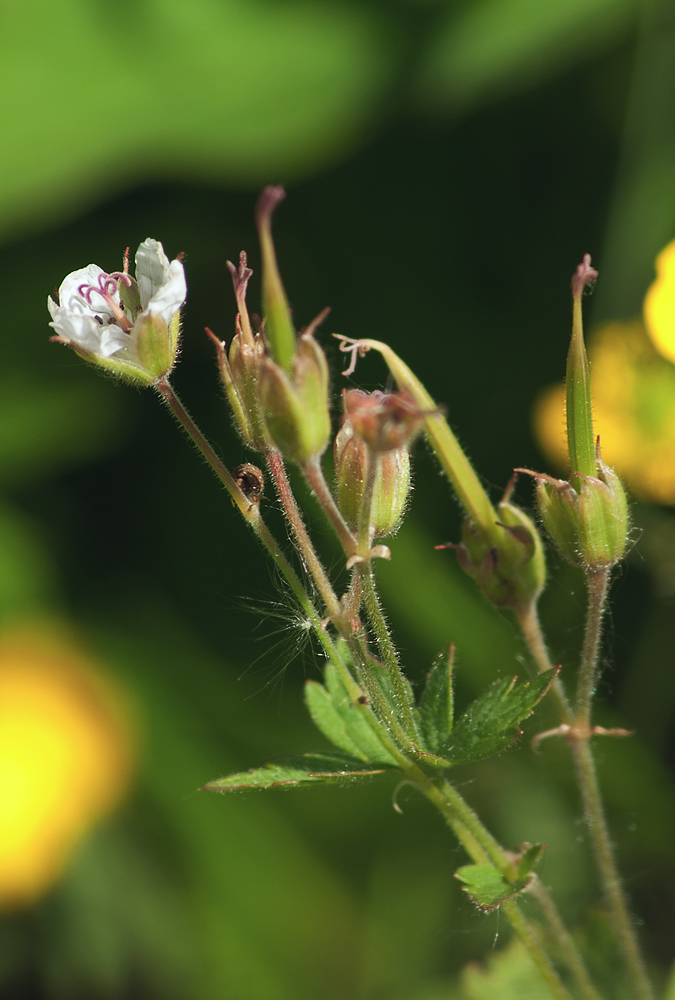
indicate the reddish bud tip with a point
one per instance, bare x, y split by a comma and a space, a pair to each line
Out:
584, 276
270, 197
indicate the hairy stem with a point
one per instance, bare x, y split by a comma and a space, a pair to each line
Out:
253, 517
597, 583
609, 874
565, 941
316, 480
278, 472
530, 625
594, 814
387, 649
482, 848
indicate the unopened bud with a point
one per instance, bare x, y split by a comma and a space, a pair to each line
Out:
586, 515
588, 525
512, 572
278, 323
392, 481
384, 420
295, 407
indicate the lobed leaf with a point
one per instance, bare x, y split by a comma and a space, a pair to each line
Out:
435, 707
301, 769
487, 887
491, 722
341, 721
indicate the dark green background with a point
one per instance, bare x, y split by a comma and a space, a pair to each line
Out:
447, 166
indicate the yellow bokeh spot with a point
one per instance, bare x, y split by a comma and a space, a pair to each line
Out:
633, 411
659, 304
65, 758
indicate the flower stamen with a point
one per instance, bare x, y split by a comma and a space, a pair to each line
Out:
357, 349
107, 287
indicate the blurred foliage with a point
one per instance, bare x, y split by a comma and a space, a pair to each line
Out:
447, 166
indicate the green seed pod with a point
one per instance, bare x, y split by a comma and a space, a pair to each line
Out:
511, 573
295, 408
586, 516
245, 361
392, 481
589, 526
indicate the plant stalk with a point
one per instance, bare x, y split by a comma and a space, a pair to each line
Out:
316, 480
278, 472
482, 848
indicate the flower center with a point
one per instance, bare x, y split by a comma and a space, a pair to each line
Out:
107, 288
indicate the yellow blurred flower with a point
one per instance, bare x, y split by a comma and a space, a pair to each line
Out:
633, 411
65, 758
659, 304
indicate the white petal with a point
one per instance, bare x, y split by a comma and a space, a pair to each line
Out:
152, 269
113, 340
170, 297
77, 326
69, 290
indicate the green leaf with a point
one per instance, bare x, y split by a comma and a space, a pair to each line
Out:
341, 721
487, 887
303, 769
436, 704
491, 721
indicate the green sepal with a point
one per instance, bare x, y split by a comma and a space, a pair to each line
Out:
130, 296
303, 769
435, 708
487, 887
491, 722
341, 721
127, 371
155, 350
529, 857
296, 408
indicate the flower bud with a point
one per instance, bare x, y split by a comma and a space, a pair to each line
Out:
245, 362
589, 526
295, 407
392, 481
385, 421
587, 515
511, 573
279, 327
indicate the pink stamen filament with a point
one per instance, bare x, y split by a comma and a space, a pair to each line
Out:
107, 286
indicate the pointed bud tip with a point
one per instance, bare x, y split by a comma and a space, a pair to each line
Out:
583, 277
270, 197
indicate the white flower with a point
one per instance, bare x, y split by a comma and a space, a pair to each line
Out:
128, 326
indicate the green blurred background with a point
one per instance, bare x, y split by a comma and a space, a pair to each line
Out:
447, 165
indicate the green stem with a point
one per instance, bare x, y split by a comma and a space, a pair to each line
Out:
579, 723
597, 583
565, 940
580, 736
253, 517
316, 480
606, 862
456, 465
387, 649
530, 626
278, 471
482, 848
